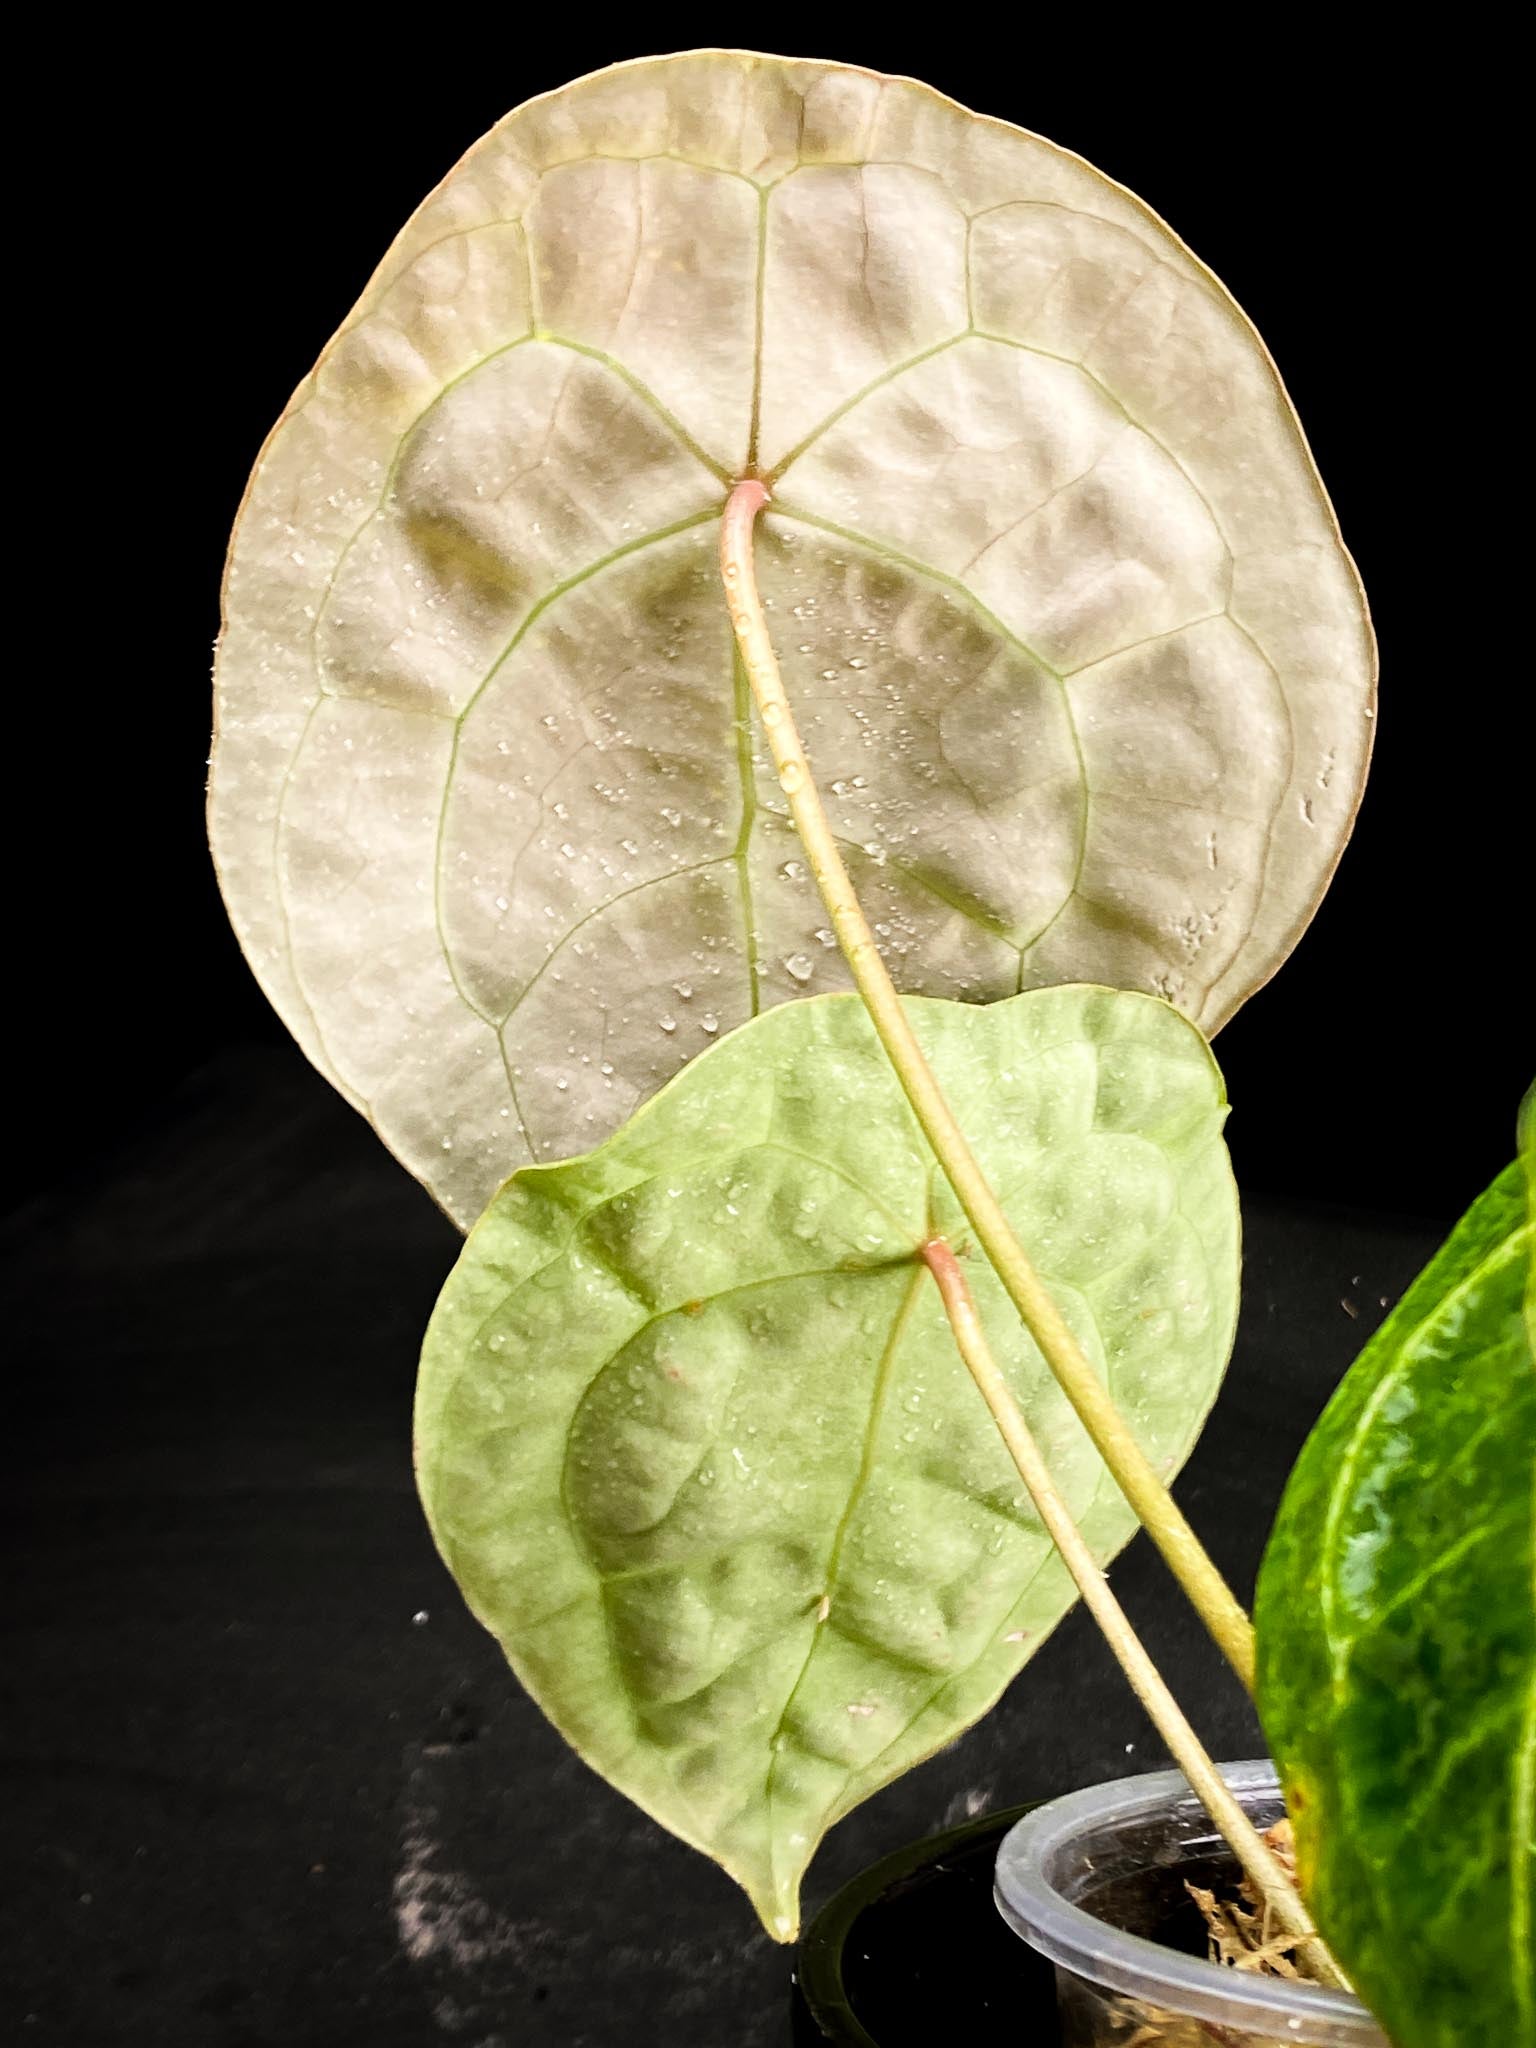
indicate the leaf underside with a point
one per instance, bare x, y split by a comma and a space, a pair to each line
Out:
693, 1436
1396, 1624
1083, 668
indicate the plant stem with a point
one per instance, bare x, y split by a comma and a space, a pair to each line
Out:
1153, 1504
1258, 1860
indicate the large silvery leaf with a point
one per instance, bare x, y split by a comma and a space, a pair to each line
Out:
694, 1438
1397, 1649
1082, 664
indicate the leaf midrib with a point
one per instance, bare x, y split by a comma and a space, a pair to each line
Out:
884, 1373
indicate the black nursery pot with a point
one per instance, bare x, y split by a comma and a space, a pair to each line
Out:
914, 1951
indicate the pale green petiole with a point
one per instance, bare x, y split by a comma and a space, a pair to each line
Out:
1258, 1860
1154, 1505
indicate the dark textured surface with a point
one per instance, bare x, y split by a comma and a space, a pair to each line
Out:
265, 1782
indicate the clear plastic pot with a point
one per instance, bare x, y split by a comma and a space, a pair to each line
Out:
1095, 1883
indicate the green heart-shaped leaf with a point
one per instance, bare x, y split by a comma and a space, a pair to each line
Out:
1396, 1624
694, 1438
1081, 664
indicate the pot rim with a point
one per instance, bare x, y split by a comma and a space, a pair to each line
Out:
1073, 1939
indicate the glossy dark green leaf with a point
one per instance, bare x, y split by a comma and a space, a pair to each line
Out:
1397, 1648
694, 1438
1527, 1137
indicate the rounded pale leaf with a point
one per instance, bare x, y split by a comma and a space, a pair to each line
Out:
695, 1440
1083, 666
1396, 1622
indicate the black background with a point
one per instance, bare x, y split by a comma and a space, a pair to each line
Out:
225, 1736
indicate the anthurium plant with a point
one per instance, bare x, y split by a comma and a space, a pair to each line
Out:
785, 672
